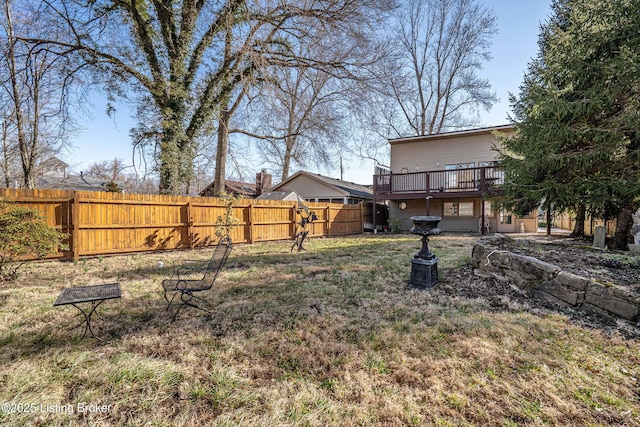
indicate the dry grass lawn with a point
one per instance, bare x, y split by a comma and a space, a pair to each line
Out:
331, 336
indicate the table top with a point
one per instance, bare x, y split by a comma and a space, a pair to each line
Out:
88, 293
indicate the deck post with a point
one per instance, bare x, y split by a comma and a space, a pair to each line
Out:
375, 208
427, 187
482, 213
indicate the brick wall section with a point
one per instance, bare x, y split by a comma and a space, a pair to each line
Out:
549, 282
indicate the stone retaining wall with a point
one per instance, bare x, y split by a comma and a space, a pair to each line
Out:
549, 282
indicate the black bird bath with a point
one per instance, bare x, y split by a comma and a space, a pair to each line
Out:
424, 265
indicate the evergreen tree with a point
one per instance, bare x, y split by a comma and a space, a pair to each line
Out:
576, 145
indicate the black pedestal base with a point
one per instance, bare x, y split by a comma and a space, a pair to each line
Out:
424, 273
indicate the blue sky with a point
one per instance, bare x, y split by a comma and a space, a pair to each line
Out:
513, 48
514, 45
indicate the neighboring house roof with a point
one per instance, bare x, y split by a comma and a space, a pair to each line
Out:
285, 195
344, 188
52, 164
245, 189
453, 134
72, 182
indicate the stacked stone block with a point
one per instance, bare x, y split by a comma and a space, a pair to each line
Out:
549, 282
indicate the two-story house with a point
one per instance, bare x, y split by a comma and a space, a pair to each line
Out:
452, 175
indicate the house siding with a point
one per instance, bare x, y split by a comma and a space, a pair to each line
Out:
436, 207
311, 189
434, 154
416, 207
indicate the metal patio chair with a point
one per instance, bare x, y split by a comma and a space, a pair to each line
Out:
185, 281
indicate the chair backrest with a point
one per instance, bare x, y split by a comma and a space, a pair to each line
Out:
218, 260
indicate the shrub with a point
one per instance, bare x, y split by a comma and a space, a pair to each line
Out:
395, 225
113, 187
24, 234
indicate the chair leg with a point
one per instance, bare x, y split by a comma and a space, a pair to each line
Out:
170, 301
186, 299
173, 319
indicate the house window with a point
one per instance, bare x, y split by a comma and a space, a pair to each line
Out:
404, 170
490, 163
466, 208
488, 208
459, 166
505, 217
459, 209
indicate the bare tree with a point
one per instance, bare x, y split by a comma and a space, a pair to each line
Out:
119, 177
189, 57
302, 107
297, 112
9, 158
38, 84
429, 81
111, 170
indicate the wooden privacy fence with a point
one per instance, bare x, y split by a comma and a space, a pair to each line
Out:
567, 221
101, 223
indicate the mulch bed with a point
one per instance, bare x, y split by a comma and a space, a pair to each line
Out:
573, 255
577, 256
501, 296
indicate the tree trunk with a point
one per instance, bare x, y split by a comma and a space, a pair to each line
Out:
168, 165
578, 229
221, 153
6, 157
171, 156
15, 93
286, 160
623, 222
220, 174
549, 221
186, 148
29, 157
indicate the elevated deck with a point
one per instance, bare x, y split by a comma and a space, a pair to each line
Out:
470, 182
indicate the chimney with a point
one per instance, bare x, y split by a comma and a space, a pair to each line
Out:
263, 182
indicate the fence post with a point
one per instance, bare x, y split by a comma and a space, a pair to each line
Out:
75, 218
251, 223
362, 216
328, 220
293, 221
189, 225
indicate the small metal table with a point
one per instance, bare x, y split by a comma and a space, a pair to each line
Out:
95, 294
